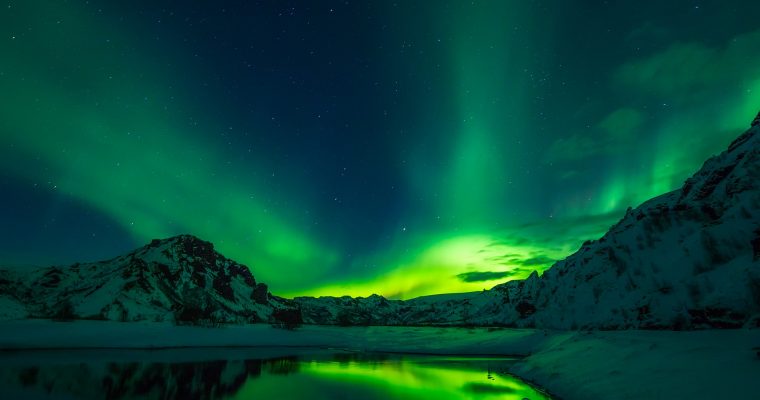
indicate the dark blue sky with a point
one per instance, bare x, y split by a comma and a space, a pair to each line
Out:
358, 147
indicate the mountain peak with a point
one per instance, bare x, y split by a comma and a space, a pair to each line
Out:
725, 175
685, 259
184, 239
185, 246
180, 278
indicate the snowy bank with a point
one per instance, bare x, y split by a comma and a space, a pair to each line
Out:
714, 364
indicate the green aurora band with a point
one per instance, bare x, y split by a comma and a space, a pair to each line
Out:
108, 127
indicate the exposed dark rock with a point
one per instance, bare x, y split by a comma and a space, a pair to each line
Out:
165, 273
243, 272
260, 293
643, 313
194, 247
709, 211
287, 318
716, 318
713, 180
51, 278
222, 286
525, 309
64, 311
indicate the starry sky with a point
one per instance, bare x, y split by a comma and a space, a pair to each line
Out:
354, 147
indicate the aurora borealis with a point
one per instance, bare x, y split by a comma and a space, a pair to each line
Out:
351, 147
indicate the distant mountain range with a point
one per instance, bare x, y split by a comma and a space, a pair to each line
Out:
688, 259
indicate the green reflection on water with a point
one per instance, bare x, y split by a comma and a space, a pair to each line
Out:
233, 374
377, 377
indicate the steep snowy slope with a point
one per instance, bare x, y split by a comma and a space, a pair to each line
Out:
177, 279
687, 259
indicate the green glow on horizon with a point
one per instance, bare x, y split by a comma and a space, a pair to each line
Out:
435, 268
439, 263
490, 101
111, 126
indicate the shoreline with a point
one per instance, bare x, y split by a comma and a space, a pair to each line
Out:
567, 364
45, 334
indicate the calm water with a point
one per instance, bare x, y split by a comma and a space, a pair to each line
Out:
313, 375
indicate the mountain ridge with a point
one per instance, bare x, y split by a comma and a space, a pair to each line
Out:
687, 259
181, 278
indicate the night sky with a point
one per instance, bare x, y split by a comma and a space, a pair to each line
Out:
356, 147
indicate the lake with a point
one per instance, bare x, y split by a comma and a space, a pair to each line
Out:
255, 374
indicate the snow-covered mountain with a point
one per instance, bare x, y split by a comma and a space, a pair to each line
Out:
457, 309
179, 279
687, 259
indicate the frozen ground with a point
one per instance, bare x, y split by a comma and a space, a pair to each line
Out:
710, 364
716, 364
